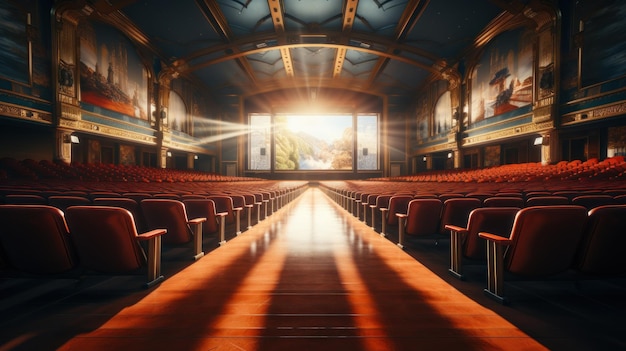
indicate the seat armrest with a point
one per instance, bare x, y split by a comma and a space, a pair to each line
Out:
455, 228
237, 208
221, 214
497, 239
151, 234
197, 220
401, 215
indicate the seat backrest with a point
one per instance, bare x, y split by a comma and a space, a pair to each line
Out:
397, 204
238, 200
137, 196
504, 201
249, 199
129, 204
548, 200
105, 238
456, 211
495, 220
224, 203
446, 196
203, 208
15, 199
423, 216
62, 202
382, 201
545, 239
168, 214
592, 201
603, 248
35, 239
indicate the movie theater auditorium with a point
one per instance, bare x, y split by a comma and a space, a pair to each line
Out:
341, 175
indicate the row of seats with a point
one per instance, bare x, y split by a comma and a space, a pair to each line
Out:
591, 227
427, 214
30, 169
612, 168
542, 241
180, 221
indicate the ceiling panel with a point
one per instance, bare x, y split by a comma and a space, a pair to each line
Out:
312, 15
251, 46
246, 17
178, 28
380, 17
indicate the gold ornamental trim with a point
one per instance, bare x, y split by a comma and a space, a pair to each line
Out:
508, 133
19, 112
594, 114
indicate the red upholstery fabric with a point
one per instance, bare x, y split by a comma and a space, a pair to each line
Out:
105, 238
129, 204
456, 211
397, 204
423, 217
35, 239
592, 201
544, 239
495, 220
204, 208
62, 202
168, 214
603, 249
504, 201
224, 203
547, 201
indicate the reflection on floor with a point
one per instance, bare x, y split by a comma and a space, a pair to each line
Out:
309, 277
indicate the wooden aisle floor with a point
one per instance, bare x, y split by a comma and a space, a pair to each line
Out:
310, 277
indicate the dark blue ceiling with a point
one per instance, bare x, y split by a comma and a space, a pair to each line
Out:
384, 47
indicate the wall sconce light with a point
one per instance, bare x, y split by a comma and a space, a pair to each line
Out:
168, 154
195, 157
449, 155
424, 158
71, 139
538, 141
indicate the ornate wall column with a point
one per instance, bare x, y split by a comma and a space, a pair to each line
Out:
164, 136
65, 80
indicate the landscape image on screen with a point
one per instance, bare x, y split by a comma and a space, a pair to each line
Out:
313, 142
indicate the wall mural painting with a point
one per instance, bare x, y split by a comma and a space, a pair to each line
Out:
443, 113
127, 155
502, 81
603, 53
177, 113
111, 73
422, 119
14, 54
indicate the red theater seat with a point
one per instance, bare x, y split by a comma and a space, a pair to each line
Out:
106, 240
125, 203
456, 211
35, 239
603, 249
543, 242
465, 242
199, 208
421, 220
171, 215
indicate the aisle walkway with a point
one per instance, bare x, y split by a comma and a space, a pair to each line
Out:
309, 278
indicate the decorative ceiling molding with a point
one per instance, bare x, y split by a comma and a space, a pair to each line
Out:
276, 11
409, 16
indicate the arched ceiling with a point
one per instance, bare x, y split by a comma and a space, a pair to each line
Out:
246, 47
